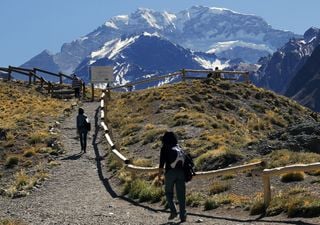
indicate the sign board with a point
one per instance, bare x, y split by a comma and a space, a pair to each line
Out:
101, 74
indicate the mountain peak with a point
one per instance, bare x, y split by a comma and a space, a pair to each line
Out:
311, 33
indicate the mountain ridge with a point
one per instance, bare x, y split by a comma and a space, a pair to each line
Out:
191, 28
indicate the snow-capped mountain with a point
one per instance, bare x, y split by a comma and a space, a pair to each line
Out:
280, 68
145, 55
198, 28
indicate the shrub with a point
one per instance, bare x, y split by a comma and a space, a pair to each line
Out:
142, 162
29, 153
291, 177
11, 161
218, 187
210, 204
257, 207
152, 135
143, 191
38, 137
194, 199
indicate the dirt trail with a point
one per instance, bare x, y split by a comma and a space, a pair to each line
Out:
79, 192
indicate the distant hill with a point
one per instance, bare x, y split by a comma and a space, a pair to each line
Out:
219, 123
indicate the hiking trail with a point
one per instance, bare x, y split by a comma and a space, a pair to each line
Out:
79, 191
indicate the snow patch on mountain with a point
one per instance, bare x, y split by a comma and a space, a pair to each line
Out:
227, 45
113, 47
207, 64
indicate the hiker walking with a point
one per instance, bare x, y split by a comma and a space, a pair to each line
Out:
83, 127
76, 85
174, 175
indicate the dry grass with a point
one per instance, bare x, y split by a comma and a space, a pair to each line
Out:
25, 116
217, 123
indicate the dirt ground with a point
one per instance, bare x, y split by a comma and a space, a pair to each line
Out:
80, 191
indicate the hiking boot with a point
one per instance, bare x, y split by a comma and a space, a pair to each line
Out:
172, 216
183, 219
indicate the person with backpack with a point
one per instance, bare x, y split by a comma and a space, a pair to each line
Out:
76, 85
83, 127
171, 156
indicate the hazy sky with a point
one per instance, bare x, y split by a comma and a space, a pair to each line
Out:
30, 26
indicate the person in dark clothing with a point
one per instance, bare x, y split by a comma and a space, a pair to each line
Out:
76, 85
174, 175
216, 74
82, 129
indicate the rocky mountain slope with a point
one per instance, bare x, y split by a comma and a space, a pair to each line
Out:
146, 55
280, 68
305, 86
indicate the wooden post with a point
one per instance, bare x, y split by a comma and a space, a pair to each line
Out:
41, 82
83, 89
105, 99
9, 75
60, 77
30, 78
49, 87
266, 189
108, 92
92, 91
34, 77
246, 76
183, 71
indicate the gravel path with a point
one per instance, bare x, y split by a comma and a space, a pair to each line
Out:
79, 192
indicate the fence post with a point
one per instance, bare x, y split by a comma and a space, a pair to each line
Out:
30, 78
60, 78
34, 77
92, 91
183, 71
49, 87
105, 99
266, 189
83, 89
9, 75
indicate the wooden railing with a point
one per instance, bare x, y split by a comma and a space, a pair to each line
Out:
33, 73
184, 75
267, 173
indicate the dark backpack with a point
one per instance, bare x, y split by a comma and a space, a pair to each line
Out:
87, 124
188, 168
186, 161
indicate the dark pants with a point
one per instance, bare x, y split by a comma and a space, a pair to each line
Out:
176, 177
83, 139
77, 92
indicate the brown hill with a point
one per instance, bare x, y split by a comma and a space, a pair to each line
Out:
219, 123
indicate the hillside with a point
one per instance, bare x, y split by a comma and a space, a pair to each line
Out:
28, 136
220, 124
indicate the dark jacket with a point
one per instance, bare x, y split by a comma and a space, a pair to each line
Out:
81, 122
76, 82
167, 156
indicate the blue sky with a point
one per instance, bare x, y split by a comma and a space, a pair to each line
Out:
30, 26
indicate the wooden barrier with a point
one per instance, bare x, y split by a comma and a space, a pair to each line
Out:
183, 73
234, 169
146, 80
267, 173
